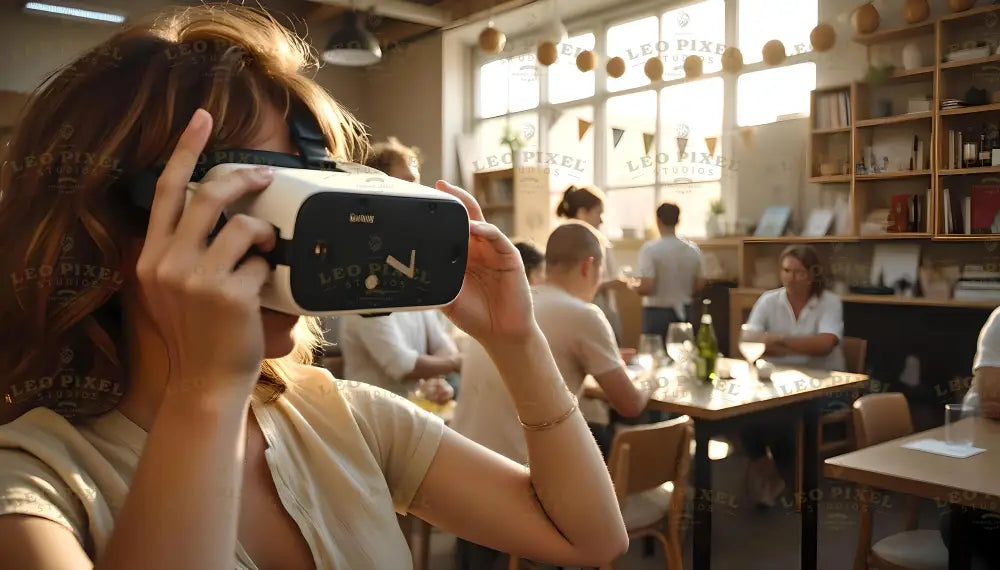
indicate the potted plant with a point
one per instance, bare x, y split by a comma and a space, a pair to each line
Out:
513, 140
714, 225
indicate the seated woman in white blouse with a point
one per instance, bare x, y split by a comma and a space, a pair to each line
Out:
804, 324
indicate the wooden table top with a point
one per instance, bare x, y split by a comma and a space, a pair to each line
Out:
742, 394
973, 482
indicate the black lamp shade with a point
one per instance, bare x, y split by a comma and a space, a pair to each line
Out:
352, 45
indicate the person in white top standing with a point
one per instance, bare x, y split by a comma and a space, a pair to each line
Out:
804, 323
669, 274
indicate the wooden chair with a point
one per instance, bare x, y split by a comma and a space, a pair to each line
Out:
649, 467
878, 418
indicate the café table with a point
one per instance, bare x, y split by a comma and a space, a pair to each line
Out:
727, 405
960, 483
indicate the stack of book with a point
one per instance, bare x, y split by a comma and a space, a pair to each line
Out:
833, 111
978, 284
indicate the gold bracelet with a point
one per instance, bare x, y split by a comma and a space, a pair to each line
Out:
555, 422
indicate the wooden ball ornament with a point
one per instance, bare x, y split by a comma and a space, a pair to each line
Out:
823, 37
960, 5
615, 67
693, 66
586, 61
916, 11
547, 53
865, 19
492, 40
654, 68
774, 52
732, 60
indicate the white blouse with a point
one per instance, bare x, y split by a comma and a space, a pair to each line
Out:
823, 314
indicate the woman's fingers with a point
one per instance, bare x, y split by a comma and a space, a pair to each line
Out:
168, 201
235, 239
250, 277
475, 212
493, 235
211, 198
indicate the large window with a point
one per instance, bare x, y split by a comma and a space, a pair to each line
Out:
644, 142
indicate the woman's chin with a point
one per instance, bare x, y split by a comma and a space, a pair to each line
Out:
279, 337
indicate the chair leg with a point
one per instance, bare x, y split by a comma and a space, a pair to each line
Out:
800, 452
648, 548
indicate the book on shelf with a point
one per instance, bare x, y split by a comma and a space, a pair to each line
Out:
978, 284
985, 206
908, 213
833, 110
951, 149
957, 214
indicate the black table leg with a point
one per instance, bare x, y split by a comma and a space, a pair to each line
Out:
702, 499
810, 484
959, 557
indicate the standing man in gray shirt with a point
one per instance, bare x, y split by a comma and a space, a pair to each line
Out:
669, 274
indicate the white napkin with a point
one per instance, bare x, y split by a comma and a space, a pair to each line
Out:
942, 448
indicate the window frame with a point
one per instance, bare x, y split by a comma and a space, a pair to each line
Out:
599, 25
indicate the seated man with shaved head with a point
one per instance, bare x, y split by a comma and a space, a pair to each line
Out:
582, 342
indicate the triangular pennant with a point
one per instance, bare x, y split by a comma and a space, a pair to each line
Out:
582, 127
616, 135
682, 144
647, 141
747, 136
710, 142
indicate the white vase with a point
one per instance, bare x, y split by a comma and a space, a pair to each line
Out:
713, 227
912, 58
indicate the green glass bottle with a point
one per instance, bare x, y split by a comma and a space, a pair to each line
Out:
708, 346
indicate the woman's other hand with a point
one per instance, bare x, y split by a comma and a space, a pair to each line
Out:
495, 302
437, 390
206, 309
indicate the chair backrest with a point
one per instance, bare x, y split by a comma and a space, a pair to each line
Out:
646, 456
630, 315
855, 354
881, 417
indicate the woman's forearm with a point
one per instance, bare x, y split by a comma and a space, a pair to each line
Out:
568, 474
182, 509
811, 345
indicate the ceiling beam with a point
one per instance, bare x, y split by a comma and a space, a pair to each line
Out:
398, 10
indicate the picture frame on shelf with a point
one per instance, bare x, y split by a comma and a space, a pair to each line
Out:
773, 222
819, 224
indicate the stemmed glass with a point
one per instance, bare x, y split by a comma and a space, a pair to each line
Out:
752, 346
680, 344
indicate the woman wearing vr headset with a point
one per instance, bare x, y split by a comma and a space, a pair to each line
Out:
157, 417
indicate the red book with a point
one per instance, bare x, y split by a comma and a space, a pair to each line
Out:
985, 207
899, 213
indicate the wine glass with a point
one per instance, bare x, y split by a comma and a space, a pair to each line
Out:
680, 343
650, 354
627, 274
752, 345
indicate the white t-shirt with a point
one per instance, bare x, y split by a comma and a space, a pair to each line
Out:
382, 350
581, 342
349, 458
824, 314
987, 354
673, 264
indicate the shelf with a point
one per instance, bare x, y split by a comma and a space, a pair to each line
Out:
835, 179
970, 62
969, 13
900, 235
893, 175
967, 237
895, 34
831, 131
800, 239
970, 171
719, 242
895, 119
895, 300
909, 75
970, 110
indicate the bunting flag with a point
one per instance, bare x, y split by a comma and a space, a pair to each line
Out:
710, 142
616, 135
747, 136
647, 141
682, 144
582, 127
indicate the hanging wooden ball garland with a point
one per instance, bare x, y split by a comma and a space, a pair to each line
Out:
774, 52
693, 66
615, 67
960, 5
654, 68
732, 60
916, 11
823, 37
547, 53
492, 40
865, 19
586, 61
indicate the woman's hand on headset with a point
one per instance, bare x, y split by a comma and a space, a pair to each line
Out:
495, 301
207, 310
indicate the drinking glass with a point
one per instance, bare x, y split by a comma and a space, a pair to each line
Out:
650, 354
681, 346
955, 433
751, 346
627, 274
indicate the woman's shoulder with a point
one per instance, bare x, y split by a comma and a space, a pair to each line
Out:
828, 297
316, 384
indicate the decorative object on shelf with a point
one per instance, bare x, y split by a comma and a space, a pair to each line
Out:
919, 104
971, 49
586, 61
916, 11
823, 37
878, 74
819, 223
693, 66
732, 60
615, 67
895, 262
828, 169
492, 40
654, 68
714, 225
865, 19
912, 58
938, 280
547, 53
774, 52
773, 222
976, 96
960, 5
845, 167
883, 108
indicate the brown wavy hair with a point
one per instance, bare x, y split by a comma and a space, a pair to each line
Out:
385, 155
116, 111
576, 197
809, 258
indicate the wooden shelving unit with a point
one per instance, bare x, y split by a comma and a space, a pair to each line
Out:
894, 119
